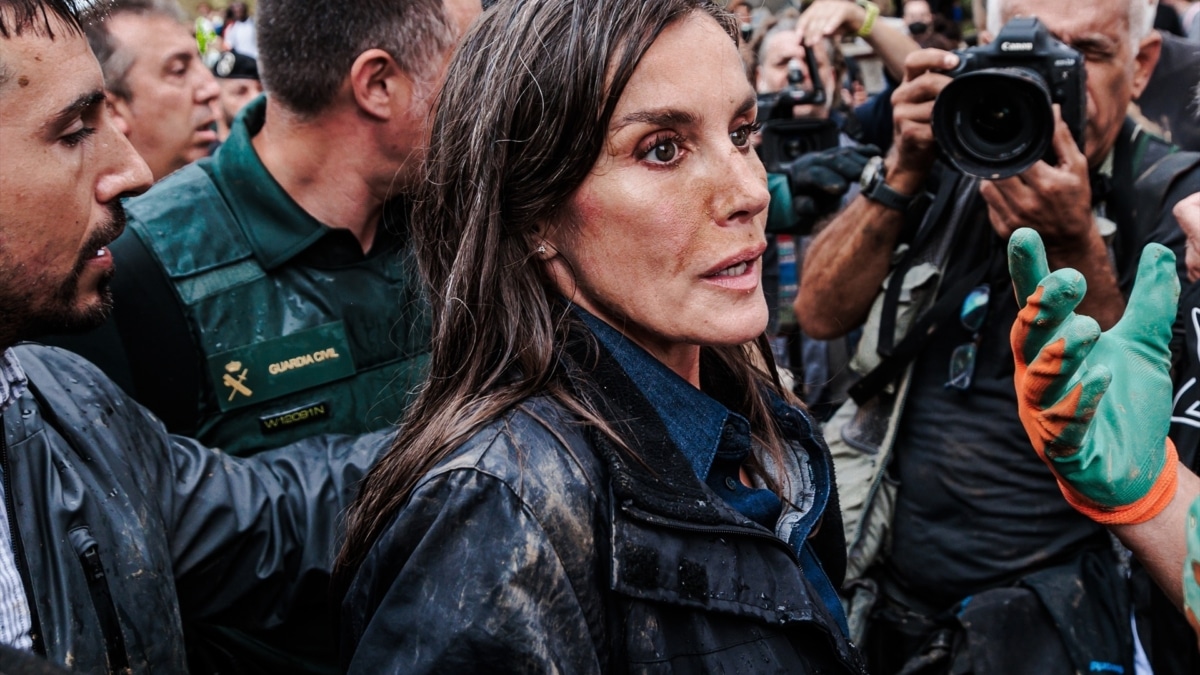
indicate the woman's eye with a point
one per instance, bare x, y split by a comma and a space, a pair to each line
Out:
663, 151
741, 135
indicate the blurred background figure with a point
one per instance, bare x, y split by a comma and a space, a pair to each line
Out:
241, 34
1167, 111
161, 94
917, 16
1179, 17
930, 29
828, 146
237, 76
207, 38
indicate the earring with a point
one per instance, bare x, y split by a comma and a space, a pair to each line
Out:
541, 249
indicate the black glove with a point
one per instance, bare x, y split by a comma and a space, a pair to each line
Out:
819, 179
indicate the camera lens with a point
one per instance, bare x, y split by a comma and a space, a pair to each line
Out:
994, 123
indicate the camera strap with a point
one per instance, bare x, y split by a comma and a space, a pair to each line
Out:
891, 301
897, 356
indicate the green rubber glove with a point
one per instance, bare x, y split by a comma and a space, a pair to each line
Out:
1097, 406
1191, 568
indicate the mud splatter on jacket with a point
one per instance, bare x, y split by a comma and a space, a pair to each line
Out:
538, 546
122, 531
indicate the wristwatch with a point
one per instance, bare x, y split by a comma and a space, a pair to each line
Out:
873, 187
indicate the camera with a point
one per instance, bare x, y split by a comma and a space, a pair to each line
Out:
995, 119
786, 138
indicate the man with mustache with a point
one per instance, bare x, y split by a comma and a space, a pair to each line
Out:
112, 532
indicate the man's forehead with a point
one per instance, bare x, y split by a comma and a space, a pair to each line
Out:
150, 31
56, 70
782, 43
1068, 19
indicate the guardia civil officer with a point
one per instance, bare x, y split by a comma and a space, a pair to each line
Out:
265, 294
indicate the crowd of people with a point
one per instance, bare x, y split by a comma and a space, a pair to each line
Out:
607, 336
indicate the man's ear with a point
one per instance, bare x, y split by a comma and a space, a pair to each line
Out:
1147, 57
121, 113
377, 81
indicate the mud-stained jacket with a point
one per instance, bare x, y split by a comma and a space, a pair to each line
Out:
121, 530
539, 547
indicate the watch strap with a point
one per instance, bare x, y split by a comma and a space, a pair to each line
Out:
878, 190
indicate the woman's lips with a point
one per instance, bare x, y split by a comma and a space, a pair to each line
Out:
739, 273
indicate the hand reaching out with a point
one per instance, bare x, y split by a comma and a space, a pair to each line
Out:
1097, 406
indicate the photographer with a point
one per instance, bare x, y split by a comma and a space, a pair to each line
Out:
812, 163
964, 511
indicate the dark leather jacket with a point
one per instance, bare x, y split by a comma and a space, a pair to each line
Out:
538, 547
122, 531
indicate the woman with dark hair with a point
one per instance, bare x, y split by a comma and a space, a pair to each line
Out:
602, 472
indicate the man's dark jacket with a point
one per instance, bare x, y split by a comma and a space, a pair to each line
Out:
122, 531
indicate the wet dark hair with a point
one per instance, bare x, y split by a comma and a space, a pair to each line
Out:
520, 123
17, 16
306, 47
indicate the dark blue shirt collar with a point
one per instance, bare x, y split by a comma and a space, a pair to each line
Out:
694, 420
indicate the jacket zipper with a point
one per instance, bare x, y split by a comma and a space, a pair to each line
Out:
106, 612
18, 549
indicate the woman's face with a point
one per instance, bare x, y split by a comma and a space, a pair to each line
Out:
667, 234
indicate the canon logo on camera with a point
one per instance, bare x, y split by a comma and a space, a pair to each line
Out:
1016, 46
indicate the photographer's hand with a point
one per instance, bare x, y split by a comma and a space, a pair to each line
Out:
1187, 212
835, 18
819, 179
914, 148
849, 259
1056, 201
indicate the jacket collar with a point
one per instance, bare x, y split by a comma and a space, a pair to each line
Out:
274, 224
692, 420
654, 475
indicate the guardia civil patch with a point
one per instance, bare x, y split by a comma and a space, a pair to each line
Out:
273, 368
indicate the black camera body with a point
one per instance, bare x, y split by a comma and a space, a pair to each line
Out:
786, 138
995, 119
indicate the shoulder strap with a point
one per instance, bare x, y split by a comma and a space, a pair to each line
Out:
890, 368
167, 218
950, 209
163, 356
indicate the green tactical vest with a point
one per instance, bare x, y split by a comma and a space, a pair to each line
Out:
291, 353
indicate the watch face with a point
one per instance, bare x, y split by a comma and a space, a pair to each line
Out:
870, 172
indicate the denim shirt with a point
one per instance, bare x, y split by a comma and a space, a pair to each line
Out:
716, 441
